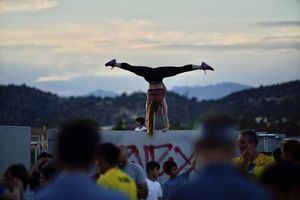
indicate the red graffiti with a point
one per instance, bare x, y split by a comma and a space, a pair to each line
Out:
152, 149
150, 153
186, 159
133, 150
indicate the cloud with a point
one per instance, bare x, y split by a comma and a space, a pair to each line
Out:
56, 77
276, 24
138, 35
26, 5
80, 50
272, 45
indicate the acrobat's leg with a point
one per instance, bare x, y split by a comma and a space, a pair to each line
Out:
164, 110
138, 70
172, 71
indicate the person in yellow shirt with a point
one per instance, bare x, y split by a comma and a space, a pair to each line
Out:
250, 161
112, 177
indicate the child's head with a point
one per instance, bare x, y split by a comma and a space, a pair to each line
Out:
152, 169
140, 121
170, 168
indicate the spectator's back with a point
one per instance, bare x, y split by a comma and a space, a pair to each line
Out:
75, 186
76, 151
218, 179
220, 182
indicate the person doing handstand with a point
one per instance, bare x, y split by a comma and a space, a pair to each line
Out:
156, 95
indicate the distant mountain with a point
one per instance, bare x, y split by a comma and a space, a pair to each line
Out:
102, 93
210, 92
273, 108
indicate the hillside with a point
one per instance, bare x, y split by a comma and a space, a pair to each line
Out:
102, 93
274, 108
210, 92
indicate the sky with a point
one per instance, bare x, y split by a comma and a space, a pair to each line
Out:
61, 45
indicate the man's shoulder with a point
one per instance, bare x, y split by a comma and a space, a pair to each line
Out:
167, 182
134, 166
140, 129
99, 193
150, 182
263, 159
125, 176
204, 185
237, 160
96, 192
116, 173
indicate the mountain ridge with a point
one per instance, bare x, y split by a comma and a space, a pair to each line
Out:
210, 92
273, 108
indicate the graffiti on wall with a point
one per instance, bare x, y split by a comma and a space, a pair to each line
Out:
158, 153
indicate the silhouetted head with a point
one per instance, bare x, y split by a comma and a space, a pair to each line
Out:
77, 143
217, 131
217, 141
291, 151
283, 180
107, 156
17, 171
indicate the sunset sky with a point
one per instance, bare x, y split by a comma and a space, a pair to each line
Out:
61, 45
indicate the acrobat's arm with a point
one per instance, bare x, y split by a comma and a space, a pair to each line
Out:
165, 115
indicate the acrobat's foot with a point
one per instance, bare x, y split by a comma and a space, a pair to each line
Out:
205, 67
111, 63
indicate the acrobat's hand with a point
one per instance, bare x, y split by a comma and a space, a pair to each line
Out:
164, 129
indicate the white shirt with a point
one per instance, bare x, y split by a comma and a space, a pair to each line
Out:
143, 128
154, 190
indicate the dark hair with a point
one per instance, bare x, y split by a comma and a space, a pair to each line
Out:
282, 177
141, 120
217, 131
77, 142
109, 152
292, 147
251, 135
168, 165
18, 171
45, 155
277, 154
49, 170
152, 165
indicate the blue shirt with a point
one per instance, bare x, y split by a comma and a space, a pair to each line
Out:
136, 172
220, 182
172, 184
1, 190
75, 186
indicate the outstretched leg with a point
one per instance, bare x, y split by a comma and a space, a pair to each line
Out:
172, 71
138, 70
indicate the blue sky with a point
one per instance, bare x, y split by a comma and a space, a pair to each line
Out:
62, 45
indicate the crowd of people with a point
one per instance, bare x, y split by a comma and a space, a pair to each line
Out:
219, 174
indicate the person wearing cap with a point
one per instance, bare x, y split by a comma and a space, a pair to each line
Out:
250, 161
217, 178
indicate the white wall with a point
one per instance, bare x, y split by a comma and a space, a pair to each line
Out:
162, 146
